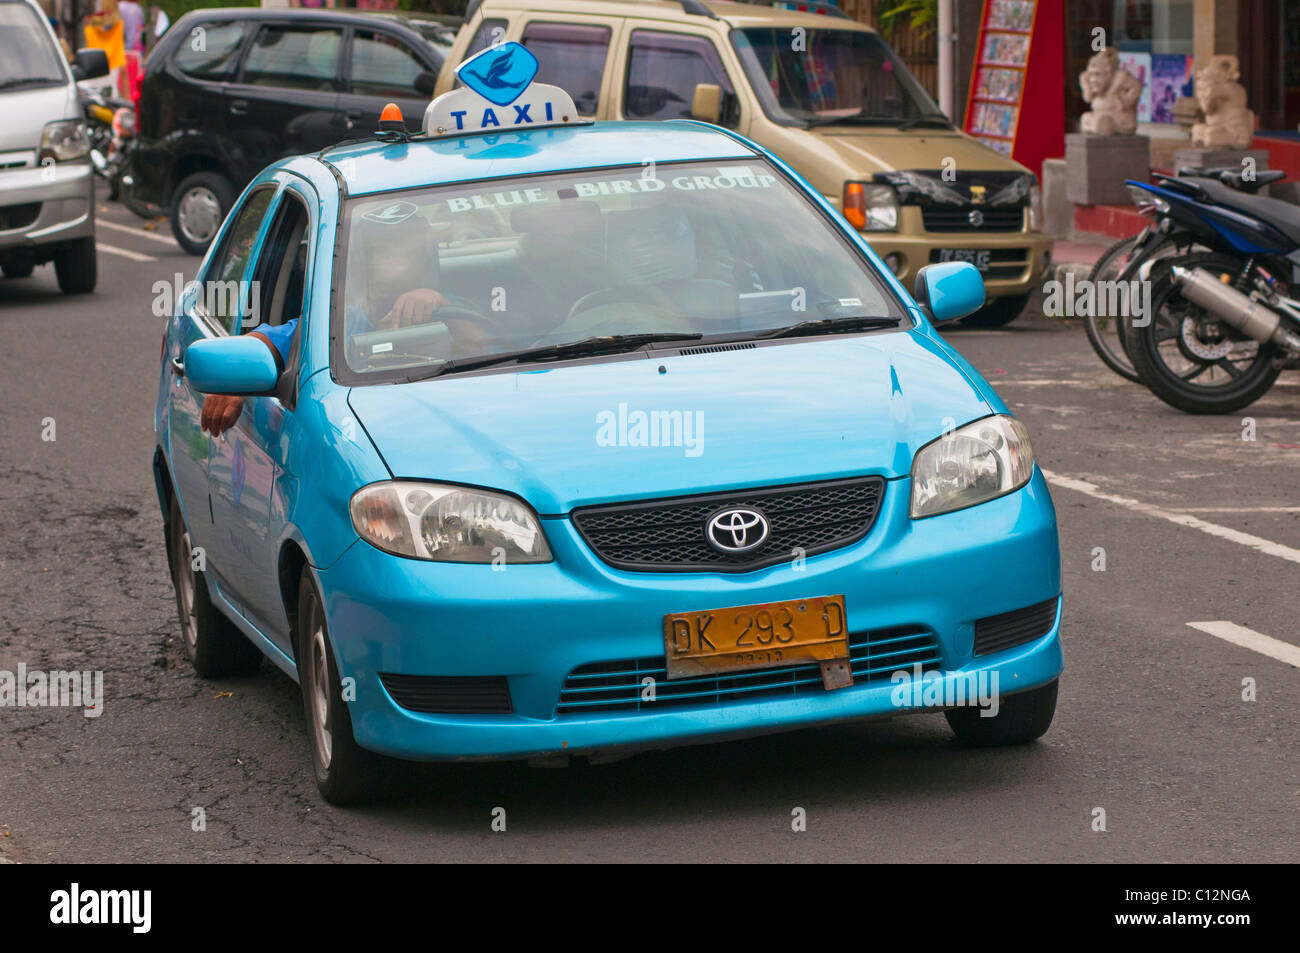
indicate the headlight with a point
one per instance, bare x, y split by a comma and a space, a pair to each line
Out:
1035, 208
63, 140
450, 524
871, 208
978, 462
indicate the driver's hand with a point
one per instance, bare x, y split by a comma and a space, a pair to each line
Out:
220, 411
414, 307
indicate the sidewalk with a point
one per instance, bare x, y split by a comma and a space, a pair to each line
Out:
1079, 253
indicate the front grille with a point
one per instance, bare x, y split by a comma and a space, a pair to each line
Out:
618, 686
998, 632
450, 694
18, 216
668, 535
956, 218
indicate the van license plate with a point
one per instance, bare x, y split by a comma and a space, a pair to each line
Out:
759, 636
979, 257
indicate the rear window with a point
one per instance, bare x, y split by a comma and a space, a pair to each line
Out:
211, 50
27, 55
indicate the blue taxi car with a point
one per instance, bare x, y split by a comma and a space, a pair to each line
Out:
546, 437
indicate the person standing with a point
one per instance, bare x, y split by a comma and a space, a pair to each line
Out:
132, 24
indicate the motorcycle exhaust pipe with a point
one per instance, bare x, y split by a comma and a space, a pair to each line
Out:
1247, 315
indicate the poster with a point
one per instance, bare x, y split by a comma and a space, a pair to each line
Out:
1139, 65
1171, 78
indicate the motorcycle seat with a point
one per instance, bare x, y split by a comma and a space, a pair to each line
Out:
1283, 216
1235, 177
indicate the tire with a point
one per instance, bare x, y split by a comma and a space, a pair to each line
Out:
1151, 361
1107, 340
214, 645
1021, 718
76, 266
345, 772
997, 313
198, 208
18, 268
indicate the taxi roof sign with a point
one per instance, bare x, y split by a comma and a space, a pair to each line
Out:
499, 94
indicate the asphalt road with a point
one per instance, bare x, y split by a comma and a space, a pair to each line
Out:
1197, 525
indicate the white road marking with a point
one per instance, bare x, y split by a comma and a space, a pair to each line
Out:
125, 253
1000, 380
1250, 639
137, 232
1237, 509
1266, 546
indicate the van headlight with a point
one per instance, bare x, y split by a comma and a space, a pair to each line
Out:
450, 524
63, 140
972, 464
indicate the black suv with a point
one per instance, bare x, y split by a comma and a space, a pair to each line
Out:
227, 92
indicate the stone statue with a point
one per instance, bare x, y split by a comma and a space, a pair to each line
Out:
1228, 123
1112, 93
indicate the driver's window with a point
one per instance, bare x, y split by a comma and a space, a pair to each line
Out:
280, 274
224, 284
663, 71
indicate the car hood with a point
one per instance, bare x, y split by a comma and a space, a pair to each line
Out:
27, 111
567, 436
870, 150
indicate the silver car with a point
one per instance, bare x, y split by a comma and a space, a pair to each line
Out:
47, 198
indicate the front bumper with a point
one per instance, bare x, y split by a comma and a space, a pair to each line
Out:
65, 194
1017, 265
535, 624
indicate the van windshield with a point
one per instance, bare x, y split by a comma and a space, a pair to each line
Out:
848, 77
692, 250
27, 57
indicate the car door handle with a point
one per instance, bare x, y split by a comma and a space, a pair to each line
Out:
239, 107
353, 116
178, 367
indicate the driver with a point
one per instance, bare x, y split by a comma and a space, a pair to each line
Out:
394, 265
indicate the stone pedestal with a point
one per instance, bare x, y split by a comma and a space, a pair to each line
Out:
1201, 158
1058, 212
1096, 167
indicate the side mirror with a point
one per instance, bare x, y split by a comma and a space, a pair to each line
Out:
425, 83
239, 365
706, 104
949, 290
89, 64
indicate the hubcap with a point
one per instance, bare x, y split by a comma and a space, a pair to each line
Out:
199, 214
320, 698
185, 589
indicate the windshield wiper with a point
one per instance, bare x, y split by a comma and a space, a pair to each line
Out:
852, 119
832, 326
604, 344
28, 81
938, 118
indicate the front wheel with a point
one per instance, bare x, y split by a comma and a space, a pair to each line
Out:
345, 772
76, 267
1020, 719
1189, 358
198, 209
996, 313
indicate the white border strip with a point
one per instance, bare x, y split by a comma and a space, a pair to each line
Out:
1258, 543
137, 232
125, 253
1250, 639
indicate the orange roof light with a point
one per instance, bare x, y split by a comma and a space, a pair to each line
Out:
391, 113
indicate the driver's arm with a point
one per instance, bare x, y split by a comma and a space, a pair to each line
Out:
220, 411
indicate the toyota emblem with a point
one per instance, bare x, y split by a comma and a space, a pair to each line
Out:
737, 529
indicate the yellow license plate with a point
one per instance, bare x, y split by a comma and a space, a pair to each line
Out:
762, 636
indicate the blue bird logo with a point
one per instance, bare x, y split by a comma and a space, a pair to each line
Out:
499, 74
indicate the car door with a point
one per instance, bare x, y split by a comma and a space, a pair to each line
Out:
247, 461
381, 67
286, 99
661, 70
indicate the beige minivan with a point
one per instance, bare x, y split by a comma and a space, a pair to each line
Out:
823, 92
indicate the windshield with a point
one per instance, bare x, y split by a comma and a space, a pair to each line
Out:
700, 249
27, 55
849, 76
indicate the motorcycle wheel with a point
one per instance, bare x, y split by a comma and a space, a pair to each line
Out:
1191, 360
1104, 332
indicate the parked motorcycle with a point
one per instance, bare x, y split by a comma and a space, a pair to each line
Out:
1224, 318
1109, 334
